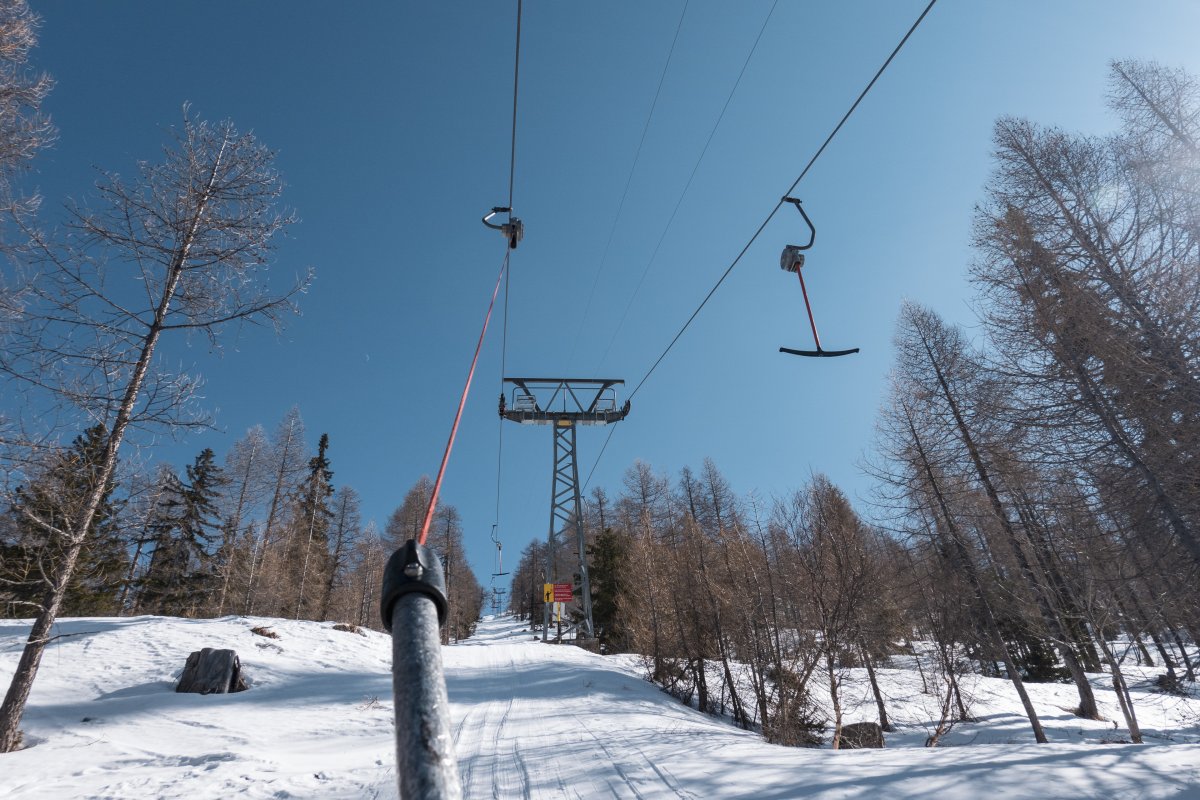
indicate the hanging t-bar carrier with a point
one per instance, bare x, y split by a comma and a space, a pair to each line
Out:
513, 230
792, 260
499, 548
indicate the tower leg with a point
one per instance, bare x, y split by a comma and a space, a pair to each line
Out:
585, 584
566, 509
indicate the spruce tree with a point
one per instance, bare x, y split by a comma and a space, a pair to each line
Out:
180, 576
308, 554
41, 511
608, 558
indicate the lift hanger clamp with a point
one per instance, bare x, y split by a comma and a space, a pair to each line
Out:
513, 230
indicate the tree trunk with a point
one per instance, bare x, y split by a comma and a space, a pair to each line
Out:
1087, 700
31, 657
234, 528
276, 497
989, 619
883, 718
307, 553
335, 564
1122, 690
1189, 670
920, 669
137, 554
833, 697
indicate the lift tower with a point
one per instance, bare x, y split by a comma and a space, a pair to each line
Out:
565, 404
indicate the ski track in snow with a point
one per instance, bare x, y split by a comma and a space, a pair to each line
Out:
530, 720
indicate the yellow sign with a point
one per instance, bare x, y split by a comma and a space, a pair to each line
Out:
548, 592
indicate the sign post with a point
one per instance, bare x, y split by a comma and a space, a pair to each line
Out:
555, 597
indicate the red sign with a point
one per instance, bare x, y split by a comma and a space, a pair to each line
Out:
564, 592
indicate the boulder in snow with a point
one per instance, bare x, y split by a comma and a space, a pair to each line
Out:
210, 671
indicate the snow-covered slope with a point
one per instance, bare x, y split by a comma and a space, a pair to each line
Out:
531, 720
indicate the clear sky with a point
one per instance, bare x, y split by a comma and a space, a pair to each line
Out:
392, 121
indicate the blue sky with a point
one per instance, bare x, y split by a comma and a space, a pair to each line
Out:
392, 123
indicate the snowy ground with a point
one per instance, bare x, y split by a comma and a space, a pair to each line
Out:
530, 720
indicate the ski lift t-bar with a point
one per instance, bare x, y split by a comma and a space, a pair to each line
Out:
413, 606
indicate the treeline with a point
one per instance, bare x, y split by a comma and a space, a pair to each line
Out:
736, 606
463, 590
265, 532
1052, 465
1038, 506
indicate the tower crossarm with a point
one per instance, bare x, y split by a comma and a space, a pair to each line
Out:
563, 401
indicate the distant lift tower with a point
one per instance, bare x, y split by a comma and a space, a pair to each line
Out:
565, 403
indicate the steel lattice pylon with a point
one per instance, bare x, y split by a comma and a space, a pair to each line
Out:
565, 403
566, 511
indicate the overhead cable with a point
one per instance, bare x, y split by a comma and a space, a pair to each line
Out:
501, 277
769, 217
512, 171
688, 185
628, 180
462, 402
512, 158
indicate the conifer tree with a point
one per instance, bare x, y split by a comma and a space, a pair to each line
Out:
308, 552
608, 569
180, 576
43, 506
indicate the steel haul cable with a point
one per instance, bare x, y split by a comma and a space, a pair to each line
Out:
512, 170
512, 157
500, 426
695, 168
765, 222
628, 180
462, 402
502, 277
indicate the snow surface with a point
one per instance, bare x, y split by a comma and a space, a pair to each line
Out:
530, 720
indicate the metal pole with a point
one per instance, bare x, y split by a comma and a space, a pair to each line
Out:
426, 766
413, 607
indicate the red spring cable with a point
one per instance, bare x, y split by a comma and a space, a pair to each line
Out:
437, 485
808, 308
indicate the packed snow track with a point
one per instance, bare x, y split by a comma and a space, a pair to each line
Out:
530, 721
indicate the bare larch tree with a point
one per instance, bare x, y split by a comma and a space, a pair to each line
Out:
182, 247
